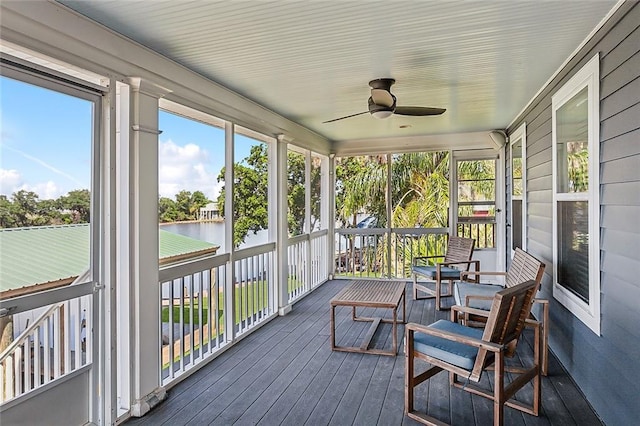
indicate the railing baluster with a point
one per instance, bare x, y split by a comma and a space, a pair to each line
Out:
17, 374
3, 381
192, 336
181, 331
36, 358
27, 364
56, 343
8, 384
78, 323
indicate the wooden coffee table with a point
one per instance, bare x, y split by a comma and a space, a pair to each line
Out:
371, 294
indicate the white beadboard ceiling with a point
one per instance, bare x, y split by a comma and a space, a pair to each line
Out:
310, 61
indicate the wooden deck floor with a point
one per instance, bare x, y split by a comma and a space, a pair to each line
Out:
285, 373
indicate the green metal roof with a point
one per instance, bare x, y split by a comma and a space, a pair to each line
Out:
43, 254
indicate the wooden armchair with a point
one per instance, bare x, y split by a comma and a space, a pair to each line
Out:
467, 352
456, 259
471, 293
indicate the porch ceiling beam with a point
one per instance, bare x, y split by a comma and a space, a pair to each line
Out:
445, 142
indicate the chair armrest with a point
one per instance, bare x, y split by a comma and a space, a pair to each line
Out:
468, 297
541, 301
459, 262
478, 343
477, 274
532, 322
414, 261
467, 310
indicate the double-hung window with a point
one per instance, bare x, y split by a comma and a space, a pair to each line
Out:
576, 241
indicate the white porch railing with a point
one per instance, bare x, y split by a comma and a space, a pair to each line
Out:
254, 281
319, 266
195, 313
307, 265
54, 345
384, 252
192, 312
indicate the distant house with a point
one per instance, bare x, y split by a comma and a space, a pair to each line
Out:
209, 212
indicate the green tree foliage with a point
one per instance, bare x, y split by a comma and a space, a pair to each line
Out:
168, 210
350, 199
7, 215
251, 194
189, 204
296, 192
25, 208
185, 207
77, 202
420, 190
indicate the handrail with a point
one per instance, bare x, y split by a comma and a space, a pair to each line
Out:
37, 323
174, 271
306, 237
320, 233
80, 279
254, 251
291, 241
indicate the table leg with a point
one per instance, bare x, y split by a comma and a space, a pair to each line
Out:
333, 325
404, 306
395, 331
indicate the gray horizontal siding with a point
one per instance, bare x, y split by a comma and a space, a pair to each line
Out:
606, 367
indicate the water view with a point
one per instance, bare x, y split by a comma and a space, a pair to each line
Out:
213, 232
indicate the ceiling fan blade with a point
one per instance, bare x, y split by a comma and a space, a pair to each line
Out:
346, 116
418, 111
382, 97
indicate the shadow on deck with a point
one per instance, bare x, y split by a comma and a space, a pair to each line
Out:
285, 373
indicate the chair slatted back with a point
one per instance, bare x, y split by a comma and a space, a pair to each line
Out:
509, 310
459, 249
524, 267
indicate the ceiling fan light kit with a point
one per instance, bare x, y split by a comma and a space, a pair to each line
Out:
382, 114
382, 103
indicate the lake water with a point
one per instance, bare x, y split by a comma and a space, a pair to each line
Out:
213, 232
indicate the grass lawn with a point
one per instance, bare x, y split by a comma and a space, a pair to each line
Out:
250, 298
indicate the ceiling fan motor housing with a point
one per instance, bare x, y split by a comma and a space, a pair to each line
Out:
382, 83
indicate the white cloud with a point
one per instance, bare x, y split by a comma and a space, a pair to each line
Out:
45, 190
11, 181
185, 167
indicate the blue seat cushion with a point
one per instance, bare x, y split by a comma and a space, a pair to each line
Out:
464, 289
428, 271
459, 354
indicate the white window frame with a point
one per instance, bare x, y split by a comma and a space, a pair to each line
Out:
519, 135
589, 77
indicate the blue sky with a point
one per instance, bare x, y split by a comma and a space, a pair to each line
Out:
45, 145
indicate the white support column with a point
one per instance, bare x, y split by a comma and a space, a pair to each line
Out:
329, 208
143, 245
108, 334
283, 227
307, 216
389, 217
229, 183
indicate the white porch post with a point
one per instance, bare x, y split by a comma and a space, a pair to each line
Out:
283, 227
143, 245
307, 217
229, 185
329, 207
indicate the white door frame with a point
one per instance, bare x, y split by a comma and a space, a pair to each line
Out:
490, 259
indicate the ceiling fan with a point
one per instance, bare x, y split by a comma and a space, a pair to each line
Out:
382, 103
